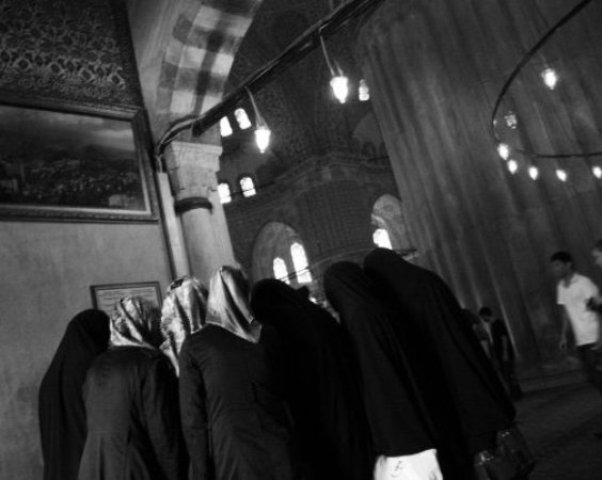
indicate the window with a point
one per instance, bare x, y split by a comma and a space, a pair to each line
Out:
381, 238
224, 192
224, 127
300, 263
280, 270
363, 92
247, 187
242, 118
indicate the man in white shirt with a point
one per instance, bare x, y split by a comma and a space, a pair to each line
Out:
574, 293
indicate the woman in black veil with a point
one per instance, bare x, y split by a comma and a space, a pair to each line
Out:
401, 430
323, 387
130, 393
61, 406
236, 423
430, 313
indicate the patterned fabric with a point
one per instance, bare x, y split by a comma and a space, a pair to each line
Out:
183, 313
201, 52
135, 322
78, 54
228, 304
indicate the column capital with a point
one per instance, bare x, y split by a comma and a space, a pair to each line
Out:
203, 154
192, 169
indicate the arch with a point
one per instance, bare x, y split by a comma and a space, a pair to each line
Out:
388, 214
273, 241
198, 58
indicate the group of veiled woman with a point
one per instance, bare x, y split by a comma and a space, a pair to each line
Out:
240, 384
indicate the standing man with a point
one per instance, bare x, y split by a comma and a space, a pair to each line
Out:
574, 293
502, 353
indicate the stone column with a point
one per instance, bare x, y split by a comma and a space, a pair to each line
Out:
192, 171
434, 69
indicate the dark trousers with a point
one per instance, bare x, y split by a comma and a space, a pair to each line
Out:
592, 366
507, 373
506, 370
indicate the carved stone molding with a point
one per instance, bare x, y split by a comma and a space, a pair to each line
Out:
192, 169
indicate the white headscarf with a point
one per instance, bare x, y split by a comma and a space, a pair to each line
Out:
135, 323
228, 304
183, 313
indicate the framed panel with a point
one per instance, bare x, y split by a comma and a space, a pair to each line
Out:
74, 163
105, 296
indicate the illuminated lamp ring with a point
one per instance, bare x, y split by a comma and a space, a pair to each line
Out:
580, 6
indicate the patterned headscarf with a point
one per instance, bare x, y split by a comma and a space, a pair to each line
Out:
135, 323
228, 304
183, 313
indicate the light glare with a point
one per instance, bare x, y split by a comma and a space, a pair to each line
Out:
597, 171
262, 138
562, 175
340, 87
503, 151
550, 78
534, 172
512, 166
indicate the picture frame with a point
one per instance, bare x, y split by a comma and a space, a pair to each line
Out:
105, 296
74, 163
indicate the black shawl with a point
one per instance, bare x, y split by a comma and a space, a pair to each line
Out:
431, 312
324, 393
397, 417
61, 407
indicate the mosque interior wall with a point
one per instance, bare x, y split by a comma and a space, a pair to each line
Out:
80, 58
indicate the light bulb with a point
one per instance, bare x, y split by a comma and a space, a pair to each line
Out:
597, 171
340, 87
503, 151
262, 137
550, 78
512, 166
562, 175
533, 172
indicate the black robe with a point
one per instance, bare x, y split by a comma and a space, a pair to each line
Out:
323, 383
430, 313
235, 421
134, 431
398, 421
61, 406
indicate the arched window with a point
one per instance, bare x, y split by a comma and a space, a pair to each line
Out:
280, 270
242, 118
363, 92
381, 238
225, 128
247, 186
300, 263
224, 192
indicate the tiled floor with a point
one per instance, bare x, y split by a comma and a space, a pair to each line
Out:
559, 424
